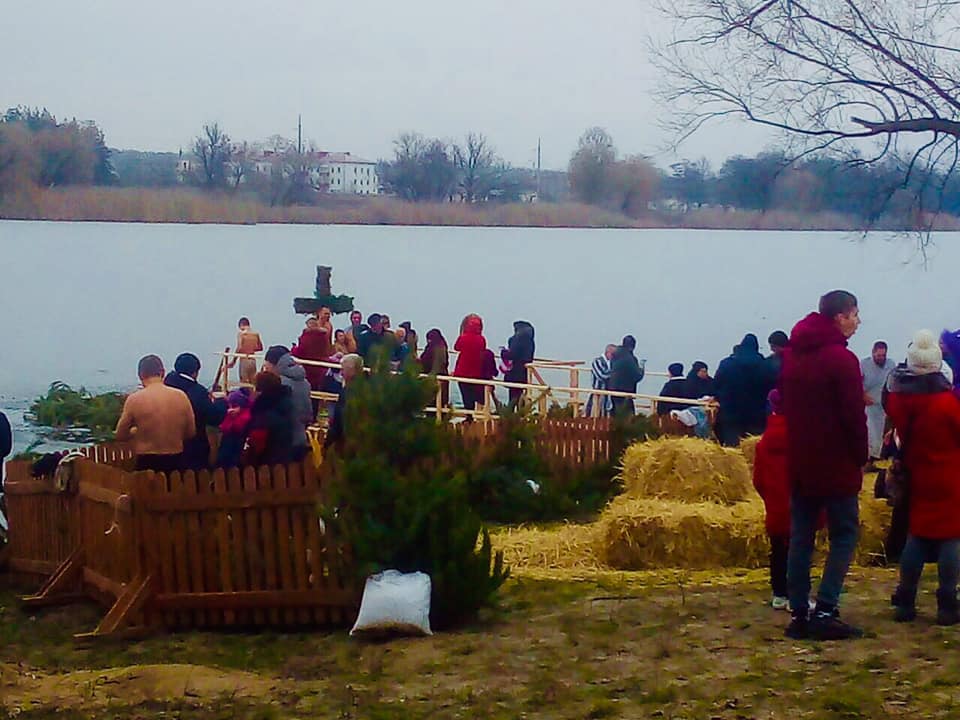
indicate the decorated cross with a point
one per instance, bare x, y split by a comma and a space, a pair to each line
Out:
323, 296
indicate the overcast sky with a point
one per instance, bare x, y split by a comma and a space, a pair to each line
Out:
360, 72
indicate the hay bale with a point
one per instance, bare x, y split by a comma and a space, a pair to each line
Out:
562, 547
748, 446
874, 525
686, 469
642, 533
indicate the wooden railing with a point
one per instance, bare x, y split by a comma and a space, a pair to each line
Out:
539, 393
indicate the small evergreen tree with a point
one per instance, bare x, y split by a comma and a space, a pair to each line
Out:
399, 496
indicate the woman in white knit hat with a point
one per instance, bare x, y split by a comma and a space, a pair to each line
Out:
926, 416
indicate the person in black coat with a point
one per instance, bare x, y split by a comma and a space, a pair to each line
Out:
625, 372
699, 383
743, 381
6, 437
270, 434
518, 354
675, 387
206, 411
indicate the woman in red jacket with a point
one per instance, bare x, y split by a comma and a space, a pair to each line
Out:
926, 415
470, 362
771, 481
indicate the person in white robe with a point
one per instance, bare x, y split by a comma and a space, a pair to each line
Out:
875, 370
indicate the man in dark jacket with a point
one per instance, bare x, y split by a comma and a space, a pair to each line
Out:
625, 373
279, 361
6, 437
376, 341
196, 450
778, 342
826, 451
675, 387
518, 354
743, 381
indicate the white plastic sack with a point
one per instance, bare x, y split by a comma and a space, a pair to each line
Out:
395, 602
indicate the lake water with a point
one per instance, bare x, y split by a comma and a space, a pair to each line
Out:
81, 302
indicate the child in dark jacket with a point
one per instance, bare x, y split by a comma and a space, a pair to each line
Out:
233, 429
771, 481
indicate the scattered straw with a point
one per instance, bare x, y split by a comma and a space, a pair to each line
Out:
686, 469
565, 547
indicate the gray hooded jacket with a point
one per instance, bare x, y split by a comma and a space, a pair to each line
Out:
294, 377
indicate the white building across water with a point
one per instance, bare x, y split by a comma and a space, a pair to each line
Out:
342, 172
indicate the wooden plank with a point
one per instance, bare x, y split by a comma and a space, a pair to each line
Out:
33, 486
268, 540
315, 551
259, 599
97, 493
194, 542
222, 521
238, 543
178, 530
165, 545
209, 531
253, 546
35, 567
62, 581
284, 542
301, 572
128, 604
245, 500
104, 584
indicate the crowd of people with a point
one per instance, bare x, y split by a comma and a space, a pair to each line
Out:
831, 417
824, 416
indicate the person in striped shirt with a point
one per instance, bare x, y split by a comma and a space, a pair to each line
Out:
600, 373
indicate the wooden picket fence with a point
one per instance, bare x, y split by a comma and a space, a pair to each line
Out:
187, 550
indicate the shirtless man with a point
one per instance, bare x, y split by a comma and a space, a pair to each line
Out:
157, 419
248, 343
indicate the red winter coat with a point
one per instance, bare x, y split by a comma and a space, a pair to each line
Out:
931, 423
770, 476
823, 402
471, 345
313, 345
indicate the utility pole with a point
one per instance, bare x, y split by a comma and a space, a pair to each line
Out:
299, 135
538, 169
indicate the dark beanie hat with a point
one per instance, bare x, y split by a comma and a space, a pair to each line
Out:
275, 353
187, 363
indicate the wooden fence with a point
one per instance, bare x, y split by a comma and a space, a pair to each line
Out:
208, 549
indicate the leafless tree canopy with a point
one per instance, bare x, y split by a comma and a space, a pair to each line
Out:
855, 75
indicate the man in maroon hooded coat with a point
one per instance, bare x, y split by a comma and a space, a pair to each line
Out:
826, 451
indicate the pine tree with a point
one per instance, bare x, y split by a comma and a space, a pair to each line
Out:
399, 496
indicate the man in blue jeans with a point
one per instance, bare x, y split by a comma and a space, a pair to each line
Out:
826, 450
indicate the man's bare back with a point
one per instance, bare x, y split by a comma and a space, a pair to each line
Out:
157, 419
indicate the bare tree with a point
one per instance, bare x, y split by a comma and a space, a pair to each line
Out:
592, 165
240, 165
212, 148
476, 162
868, 78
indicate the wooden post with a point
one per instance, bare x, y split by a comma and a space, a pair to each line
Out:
439, 400
575, 395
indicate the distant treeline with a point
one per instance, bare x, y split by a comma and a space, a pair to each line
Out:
39, 153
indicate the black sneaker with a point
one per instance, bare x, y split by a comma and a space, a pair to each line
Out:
829, 626
798, 629
904, 613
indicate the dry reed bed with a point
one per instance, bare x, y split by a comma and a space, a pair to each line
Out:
186, 205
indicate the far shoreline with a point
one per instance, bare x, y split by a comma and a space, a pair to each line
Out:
180, 206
